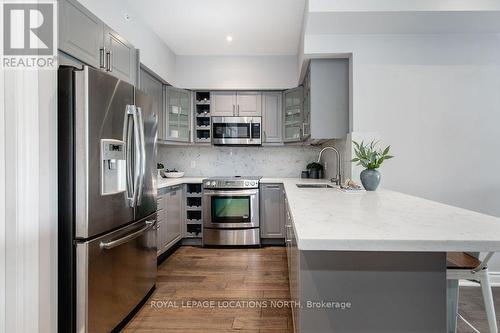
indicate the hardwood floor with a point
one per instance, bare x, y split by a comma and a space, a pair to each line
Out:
224, 275
471, 307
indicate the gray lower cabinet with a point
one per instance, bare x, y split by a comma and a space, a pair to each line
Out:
272, 117
154, 89
174, 199
80, 33
293, 257
160, 224
85, 37
170, 207
272, 211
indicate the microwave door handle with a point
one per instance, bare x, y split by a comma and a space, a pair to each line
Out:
251, 130
142, 156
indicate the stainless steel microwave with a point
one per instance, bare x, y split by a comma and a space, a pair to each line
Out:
237, 131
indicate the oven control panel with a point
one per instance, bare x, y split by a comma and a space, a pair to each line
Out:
230, 184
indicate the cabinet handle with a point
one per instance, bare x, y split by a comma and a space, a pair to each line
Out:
265, 136
102, 55
234, 112
238, 110
272, 186
109, 65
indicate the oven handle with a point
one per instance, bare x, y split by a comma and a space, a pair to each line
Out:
231, 193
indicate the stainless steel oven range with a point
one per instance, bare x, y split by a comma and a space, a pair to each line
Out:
231, 211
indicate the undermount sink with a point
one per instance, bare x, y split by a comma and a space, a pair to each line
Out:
314, 186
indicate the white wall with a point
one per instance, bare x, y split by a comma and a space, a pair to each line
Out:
398, 5
236, 72
155, 54
436, 100
29, 218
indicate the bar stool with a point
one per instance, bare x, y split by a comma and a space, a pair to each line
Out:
464, 266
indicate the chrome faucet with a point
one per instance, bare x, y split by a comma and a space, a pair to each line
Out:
338, 178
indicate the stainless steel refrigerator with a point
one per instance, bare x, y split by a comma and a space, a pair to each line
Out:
107, 200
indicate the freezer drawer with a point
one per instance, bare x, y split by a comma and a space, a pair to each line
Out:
113, 274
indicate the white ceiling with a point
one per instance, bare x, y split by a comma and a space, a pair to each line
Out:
200, 27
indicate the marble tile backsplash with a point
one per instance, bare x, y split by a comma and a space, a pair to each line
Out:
267, 161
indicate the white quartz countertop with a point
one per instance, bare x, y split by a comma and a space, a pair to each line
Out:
329, 219
167, 182
332, 220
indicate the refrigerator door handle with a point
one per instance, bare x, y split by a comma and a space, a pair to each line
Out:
125, 239
132, 159
142, 148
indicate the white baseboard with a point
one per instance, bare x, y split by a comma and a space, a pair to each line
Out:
494, 281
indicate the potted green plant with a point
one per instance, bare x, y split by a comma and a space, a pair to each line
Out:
315, 170
371, 157
160, 167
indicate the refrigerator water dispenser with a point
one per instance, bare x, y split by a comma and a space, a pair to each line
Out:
113, 167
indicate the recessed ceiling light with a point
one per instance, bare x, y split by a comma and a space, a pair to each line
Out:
229, 38
127, 17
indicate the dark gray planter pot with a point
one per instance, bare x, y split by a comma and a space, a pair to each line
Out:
370, 178
315, 173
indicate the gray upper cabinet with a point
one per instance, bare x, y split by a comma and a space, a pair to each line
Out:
272, 117
85, 37
80, 33
223, 103
293, 122
154, 89
248, 104
272, 211
329, 98
120, 56
178, 115
231, 103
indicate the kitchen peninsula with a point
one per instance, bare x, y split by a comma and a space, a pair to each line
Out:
383, 253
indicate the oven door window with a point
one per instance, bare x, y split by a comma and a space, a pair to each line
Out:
231, 131
231, 209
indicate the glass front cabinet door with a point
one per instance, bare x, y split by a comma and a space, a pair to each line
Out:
293, 115
178, 114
